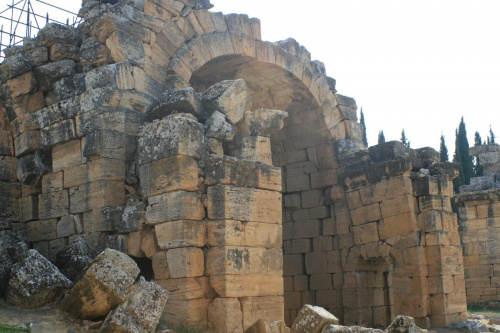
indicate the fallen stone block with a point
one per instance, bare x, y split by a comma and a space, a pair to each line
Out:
47, 75
15, 243
262, 122
472, 326
35, 282
224, 315
404, 324
218, 128
177, 101
349, 329
312, 319
54, 33
74, 258
230, 97
263, 326
105, 284
141, 310
14, 66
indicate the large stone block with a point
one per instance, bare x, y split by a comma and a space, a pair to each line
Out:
181, 234
269, 308
141, 310
224, 315
232, 171
263, 235
250, 147
31, 169
173, 135
110, 144
58, 133
53, 204
262, 122
187, 288
247, 285
169, 174
105, 284
191, 312
66, 155
35, 282
312, 319
8, 168
96, 194
244, 204
52, 182
124, 47
41, 230
236, 260
230, 97
29, 208
47, 75
185, 262
225, 232
217, 127
177, 101
172, 206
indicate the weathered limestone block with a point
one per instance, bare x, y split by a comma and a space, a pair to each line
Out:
312, 319
149, 244
177, 101
225, 232
94, 53
14, 241
232, 171
185, 262
246, 285
74, 258
268, 308
236, 260
173, 135
96, 194
169, 174
41, 230
224, 315
124, 47
96, 99
8, 169
115, 75
29, 208
403, 324
172, 206
187, 288
230, 97
181, 234
250, 147
58, 133
110, 144
194, 310
218, 128
27, 142
52, 182
105, 284
22, 84
30, 170
54, 33
141, 310
35, 282
47, 75
5, 266
263, 326
262, 122
14, 66
66, 226
53, 204
70, 86
263, 235
132, 218
389, 151
160, 268
6, 144
244, 204
62, 51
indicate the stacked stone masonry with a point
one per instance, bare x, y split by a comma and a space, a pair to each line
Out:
174, 133
479, 218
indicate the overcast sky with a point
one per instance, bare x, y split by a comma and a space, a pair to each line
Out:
418, 65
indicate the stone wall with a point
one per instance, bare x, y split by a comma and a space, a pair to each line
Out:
479, 218
155, 129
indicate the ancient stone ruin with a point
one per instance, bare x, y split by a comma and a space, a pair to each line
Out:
228, 167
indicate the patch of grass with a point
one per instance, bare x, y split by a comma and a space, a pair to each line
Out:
5, 328
473, 308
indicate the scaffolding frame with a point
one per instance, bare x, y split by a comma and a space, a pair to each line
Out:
20, 15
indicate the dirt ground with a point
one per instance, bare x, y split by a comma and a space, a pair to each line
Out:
51, 320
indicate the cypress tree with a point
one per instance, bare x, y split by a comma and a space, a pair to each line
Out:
443, 151
404, 139
362, 121
491, 137
381, 137
462, 156
478, 168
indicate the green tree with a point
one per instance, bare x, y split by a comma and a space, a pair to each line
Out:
362, 122
381, 137
404, 139
478, 168
491, 137
443, 151
462, 156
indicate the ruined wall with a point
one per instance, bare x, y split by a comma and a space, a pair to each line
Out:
154, 129
479, 218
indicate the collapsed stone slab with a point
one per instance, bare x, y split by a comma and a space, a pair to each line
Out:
141, 310
35, 282
312, 319
105, 284
74, 258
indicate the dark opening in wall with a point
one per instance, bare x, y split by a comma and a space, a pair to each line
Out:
146, 267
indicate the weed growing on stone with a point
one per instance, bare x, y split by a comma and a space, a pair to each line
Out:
5, 328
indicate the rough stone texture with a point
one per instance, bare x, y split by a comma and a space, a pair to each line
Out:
311, 319
74, 258
141, 310
35, 282
105, 284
